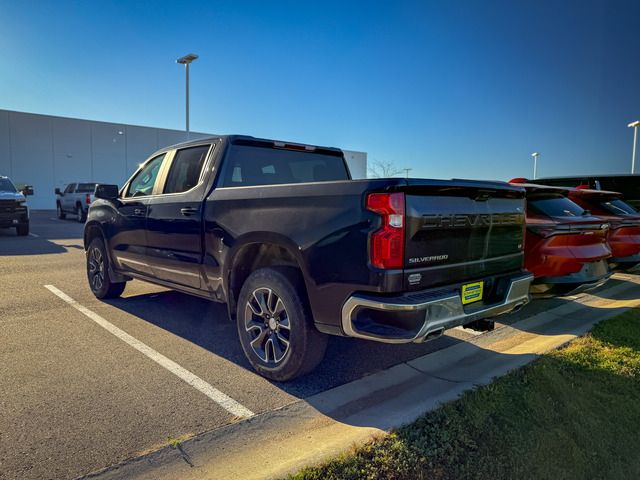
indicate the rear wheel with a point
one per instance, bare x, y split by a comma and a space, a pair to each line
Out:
275, 325
22, 230
98, 272
60, 212
80, 213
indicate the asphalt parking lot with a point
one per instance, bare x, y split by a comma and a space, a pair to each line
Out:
77, 396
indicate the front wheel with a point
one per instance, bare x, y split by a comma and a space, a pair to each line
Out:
98, 272
275, 325
22, 230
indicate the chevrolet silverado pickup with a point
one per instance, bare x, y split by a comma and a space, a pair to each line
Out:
74, 199
13, 207
297, 249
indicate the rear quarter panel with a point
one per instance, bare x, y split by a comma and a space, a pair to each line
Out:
323, 225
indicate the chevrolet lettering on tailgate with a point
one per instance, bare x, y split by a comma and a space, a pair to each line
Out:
459, 220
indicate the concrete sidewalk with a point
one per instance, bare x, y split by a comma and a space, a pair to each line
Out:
309, 431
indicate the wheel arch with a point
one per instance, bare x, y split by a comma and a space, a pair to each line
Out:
255, 252
92, 230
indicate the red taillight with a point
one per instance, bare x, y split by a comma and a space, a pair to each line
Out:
387, 243
88, 199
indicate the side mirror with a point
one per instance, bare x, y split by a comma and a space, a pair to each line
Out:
58, 192
27, 190
106, 191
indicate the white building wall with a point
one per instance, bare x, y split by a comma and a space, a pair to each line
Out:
49, 152
357, 162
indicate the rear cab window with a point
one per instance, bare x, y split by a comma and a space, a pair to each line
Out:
86, 188
252, 165
553, 205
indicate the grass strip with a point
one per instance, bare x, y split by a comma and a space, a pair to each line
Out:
573, 413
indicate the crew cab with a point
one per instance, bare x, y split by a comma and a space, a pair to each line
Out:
14, 212
565, 246
298, 250
624, 224
74, 199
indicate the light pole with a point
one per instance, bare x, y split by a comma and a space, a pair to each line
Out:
535, 156
635, 126
407, 170
186, 60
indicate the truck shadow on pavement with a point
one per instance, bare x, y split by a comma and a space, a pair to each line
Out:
207, 325
12, 245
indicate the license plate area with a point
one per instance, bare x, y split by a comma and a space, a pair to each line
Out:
472, 292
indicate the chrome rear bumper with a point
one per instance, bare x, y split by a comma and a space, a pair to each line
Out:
419, 316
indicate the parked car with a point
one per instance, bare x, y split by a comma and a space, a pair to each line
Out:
565, 246
628, 185
75, 199
624, 220
14, 212
298, 250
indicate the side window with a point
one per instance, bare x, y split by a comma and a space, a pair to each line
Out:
70, 188
185, 169
142, 184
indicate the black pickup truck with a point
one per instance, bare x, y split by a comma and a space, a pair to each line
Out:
297, 249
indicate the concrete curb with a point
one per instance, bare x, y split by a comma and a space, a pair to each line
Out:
309, 431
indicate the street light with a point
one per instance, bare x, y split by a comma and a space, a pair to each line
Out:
407, 170
635, 126
535, 156
186, 60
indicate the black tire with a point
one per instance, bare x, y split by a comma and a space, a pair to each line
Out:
80, 213
98, 272
291, 319
625, 267
22, 230
60, 212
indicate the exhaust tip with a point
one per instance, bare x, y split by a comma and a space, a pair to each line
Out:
433, 334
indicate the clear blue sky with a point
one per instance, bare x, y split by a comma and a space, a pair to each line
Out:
448, 88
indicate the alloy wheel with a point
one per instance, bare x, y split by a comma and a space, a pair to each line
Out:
96, 269
267, 324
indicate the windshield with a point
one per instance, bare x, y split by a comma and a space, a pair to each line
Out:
618, 207
6, 185
554, 205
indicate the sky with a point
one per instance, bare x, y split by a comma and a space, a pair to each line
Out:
450, 89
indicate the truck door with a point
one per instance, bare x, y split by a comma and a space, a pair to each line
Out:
66, 200
129, 242
174, 219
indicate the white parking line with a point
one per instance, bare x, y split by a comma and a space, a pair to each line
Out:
34, 235
196, 382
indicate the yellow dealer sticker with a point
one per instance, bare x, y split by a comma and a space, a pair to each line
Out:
472, 292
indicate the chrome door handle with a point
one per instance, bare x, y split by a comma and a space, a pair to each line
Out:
188, 211
138, 211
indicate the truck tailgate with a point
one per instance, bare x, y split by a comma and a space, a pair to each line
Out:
461, 230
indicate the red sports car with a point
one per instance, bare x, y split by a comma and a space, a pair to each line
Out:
624, 221
565, 246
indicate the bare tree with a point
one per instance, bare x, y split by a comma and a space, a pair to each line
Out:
381, 169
